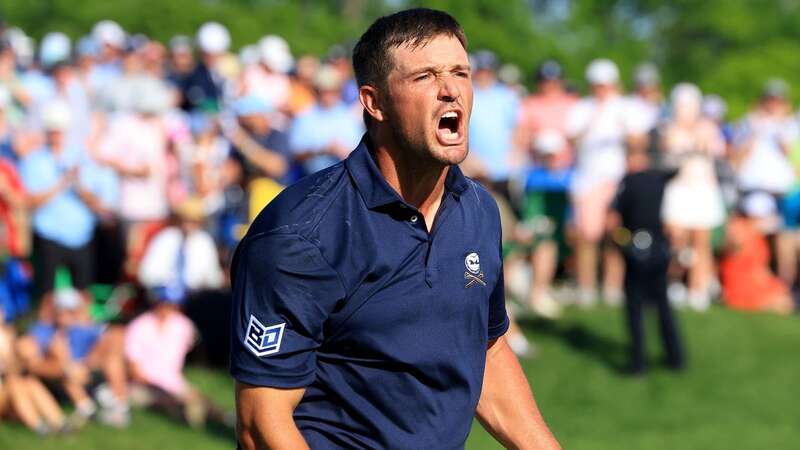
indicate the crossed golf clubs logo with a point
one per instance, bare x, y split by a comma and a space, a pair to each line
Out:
473, 273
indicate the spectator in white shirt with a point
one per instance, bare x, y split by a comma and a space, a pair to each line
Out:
183, 253
600, 126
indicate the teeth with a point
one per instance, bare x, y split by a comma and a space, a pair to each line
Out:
450, 136
449, 114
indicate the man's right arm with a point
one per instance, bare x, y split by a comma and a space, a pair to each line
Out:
264, 418
283, 292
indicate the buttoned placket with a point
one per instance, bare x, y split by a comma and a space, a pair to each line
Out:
416, 220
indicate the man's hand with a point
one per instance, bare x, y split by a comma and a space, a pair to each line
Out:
506, 408
264, 418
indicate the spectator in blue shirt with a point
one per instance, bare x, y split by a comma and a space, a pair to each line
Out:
56, 178
491, 130
327, 132
264, 148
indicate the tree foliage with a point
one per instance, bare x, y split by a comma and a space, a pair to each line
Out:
727, 47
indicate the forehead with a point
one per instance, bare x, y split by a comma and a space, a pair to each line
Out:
441, 50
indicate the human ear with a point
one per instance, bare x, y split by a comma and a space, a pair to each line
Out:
369, 98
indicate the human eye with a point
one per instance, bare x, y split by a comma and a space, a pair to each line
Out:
422, 76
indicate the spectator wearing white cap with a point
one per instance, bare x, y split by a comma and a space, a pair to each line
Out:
327, 132
693, 204
600, 126
62, 199
269, 79
204, 87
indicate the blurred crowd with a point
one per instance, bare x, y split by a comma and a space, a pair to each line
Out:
130, 168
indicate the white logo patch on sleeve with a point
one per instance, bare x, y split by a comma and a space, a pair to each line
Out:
262, 340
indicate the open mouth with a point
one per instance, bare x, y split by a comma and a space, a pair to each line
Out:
449, 129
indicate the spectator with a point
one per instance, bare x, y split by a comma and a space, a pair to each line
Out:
135, 146
14, 220
15, 242
156, 344
268, 80
693, 204
339, 57
183, 254
264, 148
494, 117
765, 138
203, 88
646, 102
301, 93
544, 214
12, 83
68, 349
180, 66
547, 109
599, 126
57, 180
747, 282
22, 395
327, 132
110, 38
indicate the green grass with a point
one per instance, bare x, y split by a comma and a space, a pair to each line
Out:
739, 392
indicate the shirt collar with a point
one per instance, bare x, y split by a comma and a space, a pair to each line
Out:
374, 188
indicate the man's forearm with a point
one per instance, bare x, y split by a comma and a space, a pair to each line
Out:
282, 435
506, 408
265, 420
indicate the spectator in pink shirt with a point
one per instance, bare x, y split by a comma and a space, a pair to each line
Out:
135, 147
156, 344
547, 109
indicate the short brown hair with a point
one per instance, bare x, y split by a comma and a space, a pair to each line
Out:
372, 59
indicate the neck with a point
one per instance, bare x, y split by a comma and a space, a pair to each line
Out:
419, 181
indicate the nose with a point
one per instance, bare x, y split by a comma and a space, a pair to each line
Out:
448, 89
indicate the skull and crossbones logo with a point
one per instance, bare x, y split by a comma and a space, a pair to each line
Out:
473, 275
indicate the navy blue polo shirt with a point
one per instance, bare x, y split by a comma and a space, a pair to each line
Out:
338, 287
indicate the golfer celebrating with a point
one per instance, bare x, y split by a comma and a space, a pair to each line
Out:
368, 306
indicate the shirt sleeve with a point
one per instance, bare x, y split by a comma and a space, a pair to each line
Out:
498, 317
283, 292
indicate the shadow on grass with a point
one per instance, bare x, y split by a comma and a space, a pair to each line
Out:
213, 428
587, 342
